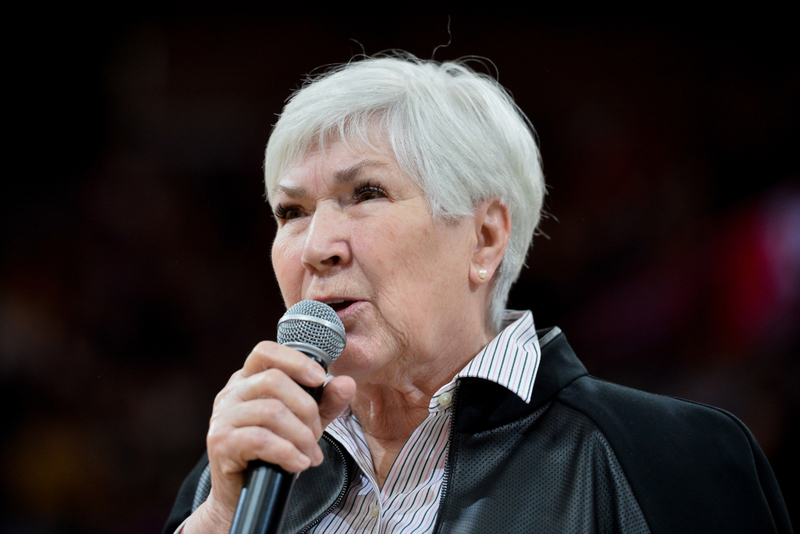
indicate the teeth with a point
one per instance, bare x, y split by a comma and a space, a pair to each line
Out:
335, 301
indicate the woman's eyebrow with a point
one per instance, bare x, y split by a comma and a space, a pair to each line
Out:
349, 174
291, 192
343, 176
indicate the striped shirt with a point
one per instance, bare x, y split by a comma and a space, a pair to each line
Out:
409, 499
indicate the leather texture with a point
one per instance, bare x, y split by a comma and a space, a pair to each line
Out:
551, 471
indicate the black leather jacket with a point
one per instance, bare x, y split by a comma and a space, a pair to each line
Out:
583, 456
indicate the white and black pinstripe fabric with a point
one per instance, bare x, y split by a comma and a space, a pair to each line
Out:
409, 499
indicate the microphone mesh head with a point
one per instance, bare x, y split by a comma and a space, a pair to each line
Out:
314, 323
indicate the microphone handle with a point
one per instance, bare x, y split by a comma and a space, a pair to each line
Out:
266, 491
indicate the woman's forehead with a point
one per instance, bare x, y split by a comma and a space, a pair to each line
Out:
324, 145
333, 171
340, 161
371, 142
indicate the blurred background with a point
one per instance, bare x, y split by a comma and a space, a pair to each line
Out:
135, 270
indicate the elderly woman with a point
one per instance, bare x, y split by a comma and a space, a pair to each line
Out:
406, 194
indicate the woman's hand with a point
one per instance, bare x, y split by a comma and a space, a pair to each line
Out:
263, 413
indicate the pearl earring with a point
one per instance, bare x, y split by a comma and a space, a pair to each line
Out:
482, 274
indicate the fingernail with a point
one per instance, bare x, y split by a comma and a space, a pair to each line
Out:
318, 374
319, 456
305, 461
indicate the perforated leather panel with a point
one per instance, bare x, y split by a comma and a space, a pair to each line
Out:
559, 474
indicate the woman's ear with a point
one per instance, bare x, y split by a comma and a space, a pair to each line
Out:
493, 230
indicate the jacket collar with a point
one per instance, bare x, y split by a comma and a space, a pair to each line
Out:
484, 405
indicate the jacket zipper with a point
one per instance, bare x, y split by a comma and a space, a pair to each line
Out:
451, 458
342, 492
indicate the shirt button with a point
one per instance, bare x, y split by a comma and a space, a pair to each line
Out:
376, 510
445, 399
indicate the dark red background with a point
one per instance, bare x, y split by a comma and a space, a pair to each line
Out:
135, 242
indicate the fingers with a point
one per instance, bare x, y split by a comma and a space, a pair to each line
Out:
241, 445
270, 384
265, 429
230, 449
298, 366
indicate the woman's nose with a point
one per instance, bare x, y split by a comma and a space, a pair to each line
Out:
326, 245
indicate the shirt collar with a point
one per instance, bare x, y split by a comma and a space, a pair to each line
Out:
511, 359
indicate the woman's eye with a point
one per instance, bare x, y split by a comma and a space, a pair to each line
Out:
368, 191
285, 213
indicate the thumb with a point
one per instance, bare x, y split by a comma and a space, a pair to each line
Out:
336, 396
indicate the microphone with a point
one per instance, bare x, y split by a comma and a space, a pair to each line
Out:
314, 329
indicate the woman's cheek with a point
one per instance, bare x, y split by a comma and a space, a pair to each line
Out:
288, 267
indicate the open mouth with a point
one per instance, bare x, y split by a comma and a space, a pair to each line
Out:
339, 305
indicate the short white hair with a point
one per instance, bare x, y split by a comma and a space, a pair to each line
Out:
457, 133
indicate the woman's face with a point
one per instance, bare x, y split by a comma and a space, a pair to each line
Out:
354, 231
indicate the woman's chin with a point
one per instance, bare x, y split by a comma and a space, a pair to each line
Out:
351, 363
360, 359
